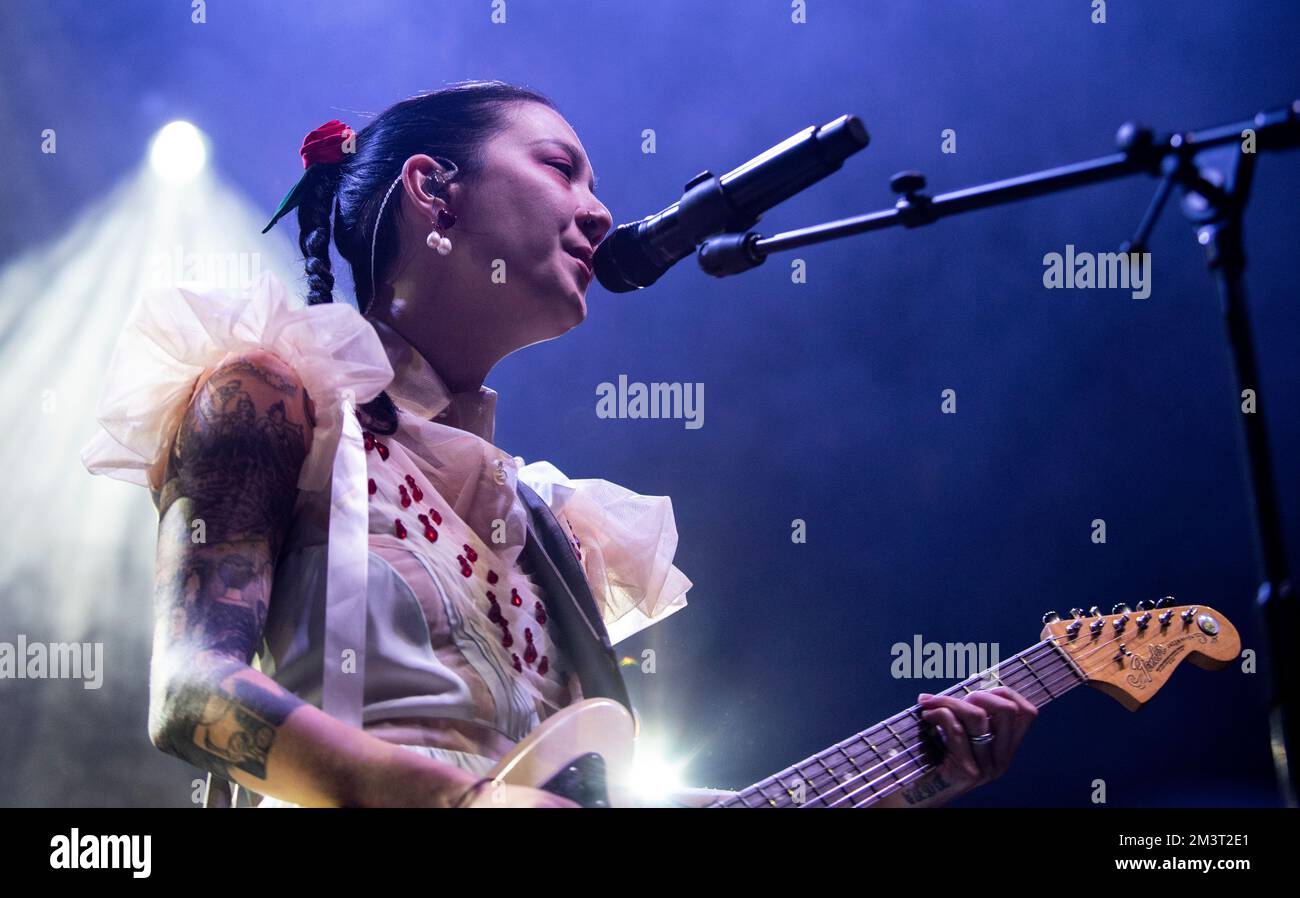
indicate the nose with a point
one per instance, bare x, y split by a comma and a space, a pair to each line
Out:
595, 222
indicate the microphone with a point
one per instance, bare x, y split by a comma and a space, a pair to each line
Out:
636, 254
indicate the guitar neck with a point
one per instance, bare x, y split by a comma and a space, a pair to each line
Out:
878, 761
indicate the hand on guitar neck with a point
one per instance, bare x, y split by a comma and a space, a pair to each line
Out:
1002, 713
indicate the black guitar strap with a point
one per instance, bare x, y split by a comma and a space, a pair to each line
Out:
580, 631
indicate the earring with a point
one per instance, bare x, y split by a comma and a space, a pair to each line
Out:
435, 240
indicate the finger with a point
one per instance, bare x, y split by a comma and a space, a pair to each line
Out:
1026, 714
958, 761
975, 720
1001, 713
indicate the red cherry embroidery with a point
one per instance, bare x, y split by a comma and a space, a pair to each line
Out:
416, 493
469, 553
399, 529
433, 513
465, 569
516, 599
383, 450
406, 499
507, 640
369, 439
492, 576
373, 486
519, 667
430, 534
543, 665
539, 612
494, 614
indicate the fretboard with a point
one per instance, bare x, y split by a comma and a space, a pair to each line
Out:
897, 752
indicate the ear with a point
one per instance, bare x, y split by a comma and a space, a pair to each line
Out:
419, 183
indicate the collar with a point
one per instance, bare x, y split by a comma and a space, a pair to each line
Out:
417, 389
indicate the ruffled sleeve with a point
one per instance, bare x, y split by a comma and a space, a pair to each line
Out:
175, 333
172, 336
627, 546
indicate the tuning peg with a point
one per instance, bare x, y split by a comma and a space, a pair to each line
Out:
1166, 602
1051, 617
1094, 611
1076, 613
1121, 608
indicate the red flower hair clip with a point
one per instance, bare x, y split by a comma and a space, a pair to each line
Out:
329, 144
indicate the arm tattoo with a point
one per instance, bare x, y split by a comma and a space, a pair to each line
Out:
239, 469
926, 788
233, 467
228, 726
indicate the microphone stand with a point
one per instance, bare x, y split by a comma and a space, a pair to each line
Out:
1213, 166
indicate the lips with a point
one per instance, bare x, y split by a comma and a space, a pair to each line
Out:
585, 256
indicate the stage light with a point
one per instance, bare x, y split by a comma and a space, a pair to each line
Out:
653, 777
179, 151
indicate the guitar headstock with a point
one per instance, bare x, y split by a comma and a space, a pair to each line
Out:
1129, 654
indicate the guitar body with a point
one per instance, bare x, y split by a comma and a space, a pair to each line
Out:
582, 752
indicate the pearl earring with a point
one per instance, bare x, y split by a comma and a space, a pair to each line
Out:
435, 240
438, 242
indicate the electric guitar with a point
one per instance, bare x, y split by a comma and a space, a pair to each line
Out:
584, 751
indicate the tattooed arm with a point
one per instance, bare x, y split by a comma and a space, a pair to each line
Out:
225, 506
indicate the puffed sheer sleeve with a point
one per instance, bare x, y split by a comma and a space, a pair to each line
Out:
627, 543
175, 333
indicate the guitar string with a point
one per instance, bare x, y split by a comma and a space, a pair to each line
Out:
1018, 676
909, 754
920, 765
1039, 686
1040, 650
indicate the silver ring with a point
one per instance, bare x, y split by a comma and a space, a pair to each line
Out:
980, 740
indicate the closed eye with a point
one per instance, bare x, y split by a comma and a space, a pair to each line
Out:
564, 167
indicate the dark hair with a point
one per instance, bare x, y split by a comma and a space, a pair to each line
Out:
455, 123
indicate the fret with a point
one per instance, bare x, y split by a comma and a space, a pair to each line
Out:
1067, 663
817, 786
787, 790
882, 761
1029, 667
856, 780
767, 799
810, 788
895, 752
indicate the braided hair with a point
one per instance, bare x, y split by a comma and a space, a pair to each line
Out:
455, 123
